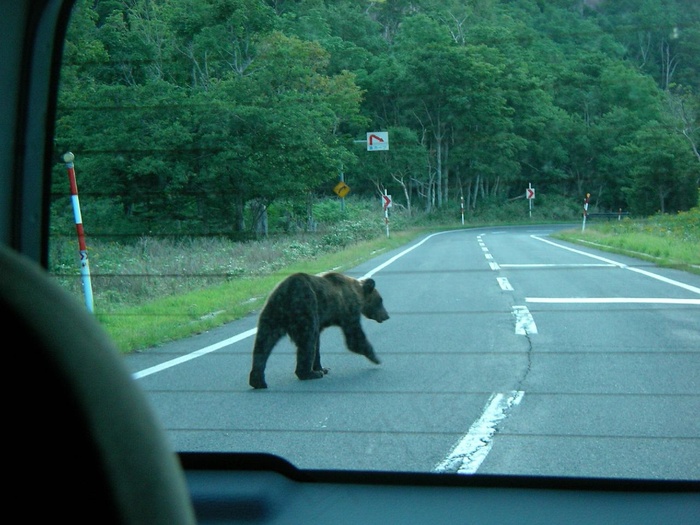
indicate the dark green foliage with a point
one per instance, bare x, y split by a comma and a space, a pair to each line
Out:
232, 117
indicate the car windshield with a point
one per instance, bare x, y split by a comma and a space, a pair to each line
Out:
426, 236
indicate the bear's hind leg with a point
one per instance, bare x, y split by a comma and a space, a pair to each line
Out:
265, 340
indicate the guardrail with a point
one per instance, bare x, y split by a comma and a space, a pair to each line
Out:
609, 216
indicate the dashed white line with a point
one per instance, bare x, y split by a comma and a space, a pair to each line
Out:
470, 451
524, 322
504, 284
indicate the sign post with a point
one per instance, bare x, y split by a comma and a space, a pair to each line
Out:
585, 211
386, 203
68, 158
530, 196
341, 190
461, 207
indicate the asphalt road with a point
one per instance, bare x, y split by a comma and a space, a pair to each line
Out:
506, 352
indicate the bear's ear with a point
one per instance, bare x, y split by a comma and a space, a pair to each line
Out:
367, 285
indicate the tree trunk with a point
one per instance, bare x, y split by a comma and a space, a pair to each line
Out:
238, 214
406, 193
310, 222
259, 218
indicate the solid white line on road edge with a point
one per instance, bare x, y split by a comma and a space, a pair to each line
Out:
193, 355
469, 452
253, 331
504, 284
664, 279
524, 323
610, 300
661, 278
399, 255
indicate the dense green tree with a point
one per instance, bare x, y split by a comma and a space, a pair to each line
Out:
662, 174
198, 115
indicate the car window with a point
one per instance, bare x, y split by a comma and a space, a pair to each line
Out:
431, 236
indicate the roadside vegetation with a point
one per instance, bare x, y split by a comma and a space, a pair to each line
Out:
151, 290
666, 240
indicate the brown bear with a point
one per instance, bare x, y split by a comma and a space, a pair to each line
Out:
302, 306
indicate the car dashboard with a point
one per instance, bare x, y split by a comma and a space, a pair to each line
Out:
261, 488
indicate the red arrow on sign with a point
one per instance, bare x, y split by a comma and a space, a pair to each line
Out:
374, 137
530, 193
387, 201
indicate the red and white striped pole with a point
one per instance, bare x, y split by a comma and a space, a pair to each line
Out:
84, 264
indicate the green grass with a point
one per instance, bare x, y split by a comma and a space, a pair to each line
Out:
671, 241
173, 317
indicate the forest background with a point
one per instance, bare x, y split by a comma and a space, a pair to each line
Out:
234, 120
212, 116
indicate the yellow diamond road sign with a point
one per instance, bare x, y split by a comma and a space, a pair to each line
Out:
341, 189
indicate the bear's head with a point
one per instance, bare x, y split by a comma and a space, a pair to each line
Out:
372, 302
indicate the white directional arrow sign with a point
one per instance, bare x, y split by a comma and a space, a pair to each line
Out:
377, 141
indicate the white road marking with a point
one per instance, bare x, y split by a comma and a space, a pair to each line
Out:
494, 266
193, 355
253, 331
524, 323
488, 256
504, 284
399, 255
661, 278
550, 265
470, 451
611, 300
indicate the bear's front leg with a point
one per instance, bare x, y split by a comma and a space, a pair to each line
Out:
257, 379
357, 342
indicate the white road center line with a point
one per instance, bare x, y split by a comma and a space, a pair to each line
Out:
504, 284
524, 323
470, 451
